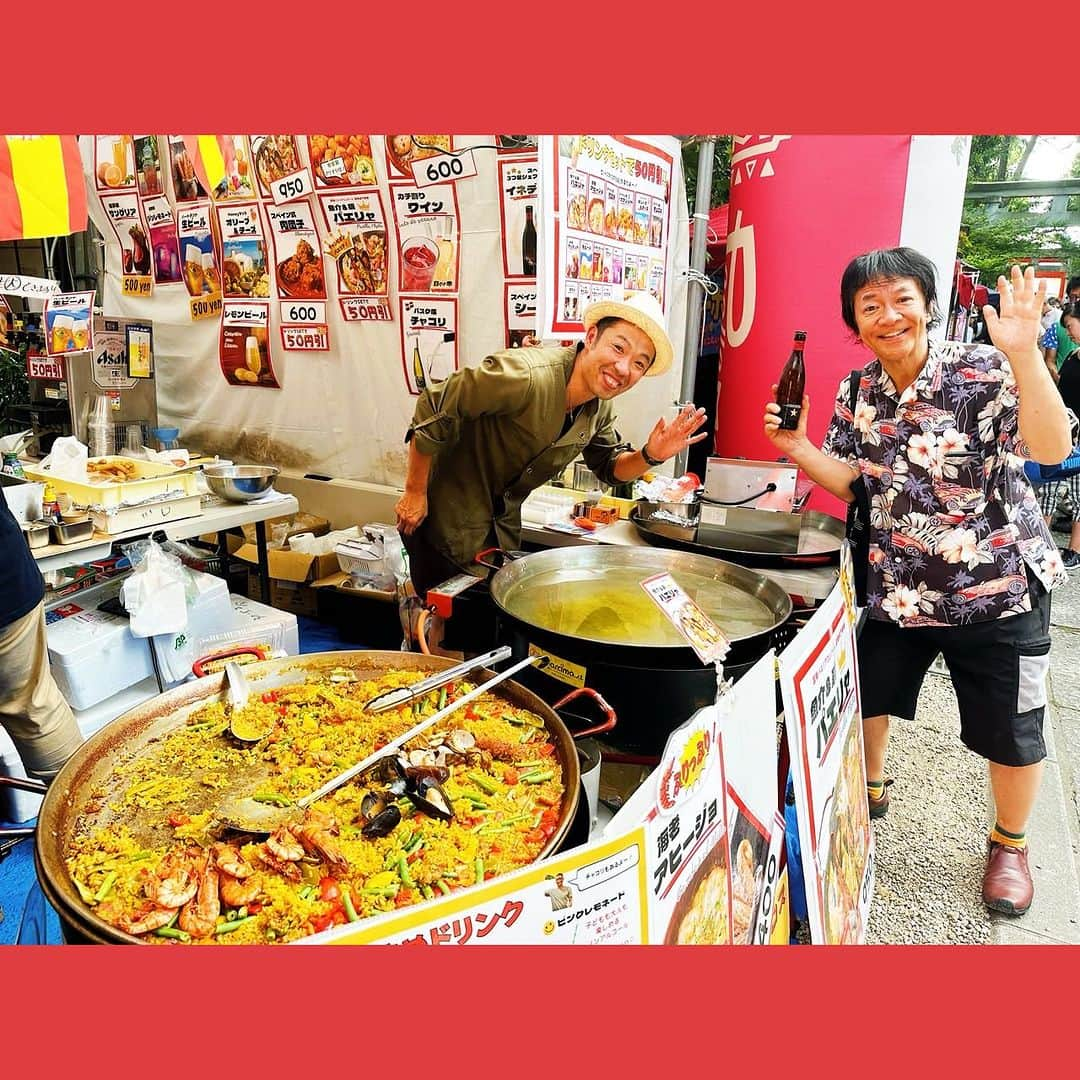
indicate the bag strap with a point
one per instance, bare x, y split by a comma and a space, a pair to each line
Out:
853, 388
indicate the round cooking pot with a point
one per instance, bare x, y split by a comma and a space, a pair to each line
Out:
653, 687
71, 791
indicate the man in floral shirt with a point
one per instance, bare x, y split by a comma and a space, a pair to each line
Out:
960, 561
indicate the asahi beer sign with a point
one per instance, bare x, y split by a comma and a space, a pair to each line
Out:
109, 370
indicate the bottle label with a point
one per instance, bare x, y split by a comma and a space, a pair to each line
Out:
789, 417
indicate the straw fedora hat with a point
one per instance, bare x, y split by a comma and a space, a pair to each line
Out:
644, 311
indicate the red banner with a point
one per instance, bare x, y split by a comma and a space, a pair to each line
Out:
802, 206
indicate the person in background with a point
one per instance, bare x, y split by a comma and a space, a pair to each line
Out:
1056, 343
487, 436
1051, 312
32, 710
960, 561
1054, 493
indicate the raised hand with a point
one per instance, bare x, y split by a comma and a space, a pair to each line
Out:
667, 439
1016, 329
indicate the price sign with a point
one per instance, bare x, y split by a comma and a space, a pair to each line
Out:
42, 367
444, 168
294, 186
137, 285
208, 307
703, 635
365, 309
306, 338
304, 312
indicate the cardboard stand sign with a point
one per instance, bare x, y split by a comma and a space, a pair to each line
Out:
820, 686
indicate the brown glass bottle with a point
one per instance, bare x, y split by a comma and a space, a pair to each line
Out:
528, 245
792, 384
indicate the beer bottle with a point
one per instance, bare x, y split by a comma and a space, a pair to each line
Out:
528, 245
417, 365
790, 388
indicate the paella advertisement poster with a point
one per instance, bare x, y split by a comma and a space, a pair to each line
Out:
591, 895
278, 168
606, 200
356, 241
820, 686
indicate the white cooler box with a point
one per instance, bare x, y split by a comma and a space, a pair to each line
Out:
256, 624
94, 655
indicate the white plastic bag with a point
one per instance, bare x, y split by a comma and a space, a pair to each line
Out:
67, 459
155, 595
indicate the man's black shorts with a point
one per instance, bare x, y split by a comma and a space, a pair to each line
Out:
998, 670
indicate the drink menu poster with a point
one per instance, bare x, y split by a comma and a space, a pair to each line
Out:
607, 213
519, 192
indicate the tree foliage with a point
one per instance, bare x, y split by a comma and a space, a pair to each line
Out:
721, 172
992, 246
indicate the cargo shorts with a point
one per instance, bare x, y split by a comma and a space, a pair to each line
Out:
998, 669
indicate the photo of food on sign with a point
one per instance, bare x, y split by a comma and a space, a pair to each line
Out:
148, 165
702, 633
848, 831
750, 848
245, 356
575, 213
341, 160
362, 264
300, 276
701, 913
244, 269
185, 183
114, 161
199, 265
403, 150
275, 156
237, 182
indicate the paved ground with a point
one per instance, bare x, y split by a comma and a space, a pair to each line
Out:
930, 847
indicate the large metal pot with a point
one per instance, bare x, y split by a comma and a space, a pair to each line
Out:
653, 685
72, 790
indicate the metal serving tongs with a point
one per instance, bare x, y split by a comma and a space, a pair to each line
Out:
403, 695
250, 815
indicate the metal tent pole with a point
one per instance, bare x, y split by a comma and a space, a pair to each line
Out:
695, 293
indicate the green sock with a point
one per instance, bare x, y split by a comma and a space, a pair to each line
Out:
1002, 836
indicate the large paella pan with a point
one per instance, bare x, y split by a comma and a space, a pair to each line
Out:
129, 847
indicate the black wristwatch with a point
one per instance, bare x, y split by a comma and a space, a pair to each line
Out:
649, 459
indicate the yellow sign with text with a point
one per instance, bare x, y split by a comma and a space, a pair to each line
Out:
558, 668
137, 285
205, 307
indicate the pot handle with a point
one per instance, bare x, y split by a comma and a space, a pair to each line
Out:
24, 784
610, 719
506, 557
202, 667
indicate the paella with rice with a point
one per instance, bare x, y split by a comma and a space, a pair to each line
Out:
475, 796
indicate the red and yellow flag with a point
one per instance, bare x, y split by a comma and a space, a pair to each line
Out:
213, 157
42, 191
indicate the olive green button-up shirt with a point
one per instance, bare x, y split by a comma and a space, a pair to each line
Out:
495, 432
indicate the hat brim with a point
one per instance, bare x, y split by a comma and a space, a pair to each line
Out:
615, 309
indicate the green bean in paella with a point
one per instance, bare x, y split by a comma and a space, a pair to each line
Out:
475, 797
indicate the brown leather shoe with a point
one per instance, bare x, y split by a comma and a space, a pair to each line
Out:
1007, 882
879, 807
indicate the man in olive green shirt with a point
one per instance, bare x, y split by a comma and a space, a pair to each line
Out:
486, 437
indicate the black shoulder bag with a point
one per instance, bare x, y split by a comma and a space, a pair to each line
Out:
858, 516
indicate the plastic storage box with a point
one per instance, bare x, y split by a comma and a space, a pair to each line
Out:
255, 624
94, 655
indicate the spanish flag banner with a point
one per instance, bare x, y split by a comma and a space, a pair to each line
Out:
42, 191
209, 153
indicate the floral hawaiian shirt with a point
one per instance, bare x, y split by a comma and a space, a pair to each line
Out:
953, 519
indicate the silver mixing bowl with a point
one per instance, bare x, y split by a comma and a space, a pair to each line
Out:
240, 483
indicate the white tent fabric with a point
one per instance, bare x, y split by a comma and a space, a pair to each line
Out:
344, 413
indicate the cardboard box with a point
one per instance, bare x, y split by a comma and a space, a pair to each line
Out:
297, 523
294, 577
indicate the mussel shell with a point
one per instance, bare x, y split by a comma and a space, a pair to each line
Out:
461, 741
383, 823
372, 804
430, 797
385, 771
415, 774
